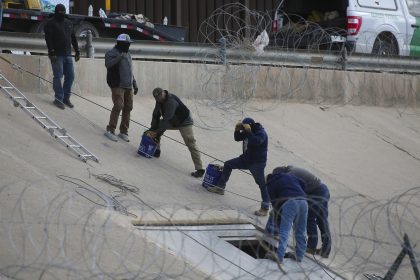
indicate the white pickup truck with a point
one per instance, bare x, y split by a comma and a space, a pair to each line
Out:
381, 27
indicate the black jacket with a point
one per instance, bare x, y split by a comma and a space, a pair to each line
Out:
173, 112
59, 36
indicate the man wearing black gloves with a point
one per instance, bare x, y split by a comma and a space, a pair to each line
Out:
171, 113
59, 36
123, 84
254, 158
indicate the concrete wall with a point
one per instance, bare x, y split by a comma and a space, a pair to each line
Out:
232, 82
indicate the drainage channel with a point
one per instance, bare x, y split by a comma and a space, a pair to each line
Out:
231, 251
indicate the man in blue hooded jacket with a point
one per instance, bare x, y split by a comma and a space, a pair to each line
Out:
290, 208
253, 158
317, 195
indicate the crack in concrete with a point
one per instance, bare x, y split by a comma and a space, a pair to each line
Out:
398, 147
379, 135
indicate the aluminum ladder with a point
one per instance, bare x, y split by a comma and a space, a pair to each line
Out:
60, 134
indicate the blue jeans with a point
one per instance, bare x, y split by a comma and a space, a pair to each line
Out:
63, 66
293, 211
318, 217
257, 171
1, 11
272, 225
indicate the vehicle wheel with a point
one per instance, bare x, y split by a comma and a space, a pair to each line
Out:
38, 27
82, 29
385, 46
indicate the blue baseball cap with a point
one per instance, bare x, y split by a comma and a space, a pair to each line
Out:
248, 121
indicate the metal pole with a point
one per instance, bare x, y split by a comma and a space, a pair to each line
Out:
108, 6
407, 249
391, 272
179, 13
343, 58
247, 20
413, 261
90, 52
222, 50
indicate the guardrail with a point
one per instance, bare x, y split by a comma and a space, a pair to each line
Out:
204, 53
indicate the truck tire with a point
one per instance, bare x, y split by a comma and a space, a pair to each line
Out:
82, 28
38, 27
385, 45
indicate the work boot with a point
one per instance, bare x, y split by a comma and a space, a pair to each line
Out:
198, 173
216, 190
261, 212
157, 153
68, 103
270, 255
111, 136
124, 136
59, 104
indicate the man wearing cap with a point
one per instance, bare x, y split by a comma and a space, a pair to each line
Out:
171, 113
59, 36
253, 158
317, 195
121, 80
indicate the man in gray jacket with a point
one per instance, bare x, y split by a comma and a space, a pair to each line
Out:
171, 113
123, 84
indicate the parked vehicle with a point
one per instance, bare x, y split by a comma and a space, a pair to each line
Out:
380, 27
33, 21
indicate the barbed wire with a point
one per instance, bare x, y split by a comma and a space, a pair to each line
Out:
66, 235
234, 28
58, 233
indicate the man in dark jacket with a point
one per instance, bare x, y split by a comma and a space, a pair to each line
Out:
289, 204
254, 158
123, 84
171, 113
59, 36
317, 195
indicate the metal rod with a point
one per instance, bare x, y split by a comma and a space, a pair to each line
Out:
407, 249
90, 52
206, 53
410, 253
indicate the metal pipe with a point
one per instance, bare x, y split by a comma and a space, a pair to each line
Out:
90, 51
108, 6
205, 53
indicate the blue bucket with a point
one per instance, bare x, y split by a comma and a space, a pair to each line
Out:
212, 176
147, 146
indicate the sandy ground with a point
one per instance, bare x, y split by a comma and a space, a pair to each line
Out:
368, 156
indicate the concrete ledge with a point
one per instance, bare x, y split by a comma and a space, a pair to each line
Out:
185, 217
219, 82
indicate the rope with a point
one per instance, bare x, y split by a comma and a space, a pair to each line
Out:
18, 67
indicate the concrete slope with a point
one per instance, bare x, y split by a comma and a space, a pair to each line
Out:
51, 228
